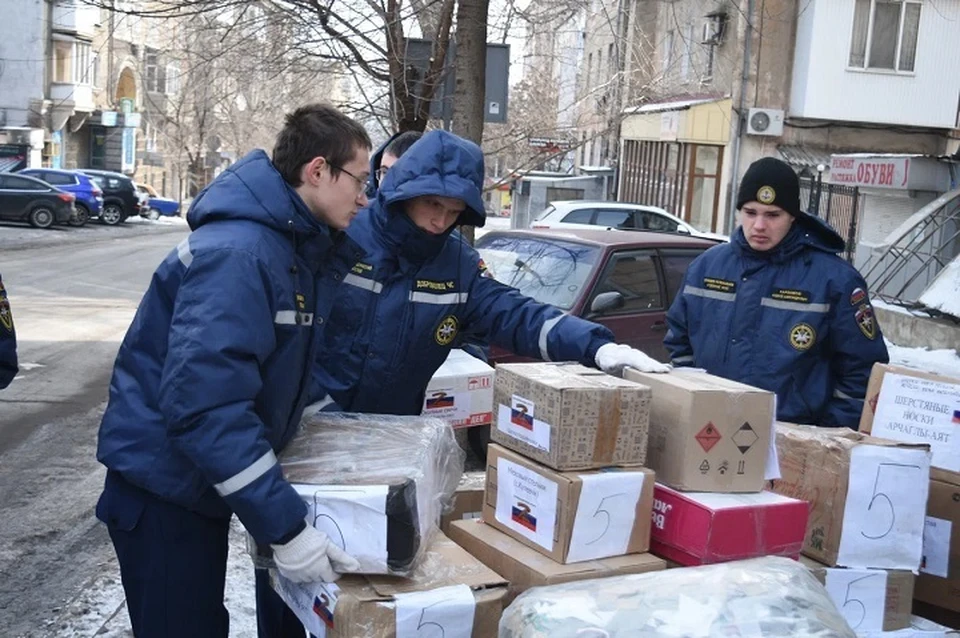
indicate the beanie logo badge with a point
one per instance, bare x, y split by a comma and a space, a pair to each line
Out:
766, 195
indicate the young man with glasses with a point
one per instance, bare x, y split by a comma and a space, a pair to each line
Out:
213, 375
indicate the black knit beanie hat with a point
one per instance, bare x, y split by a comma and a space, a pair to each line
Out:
771, 181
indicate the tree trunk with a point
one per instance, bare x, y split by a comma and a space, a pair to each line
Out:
471, 68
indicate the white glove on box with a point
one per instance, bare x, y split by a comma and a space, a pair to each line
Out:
612, 357
310, 557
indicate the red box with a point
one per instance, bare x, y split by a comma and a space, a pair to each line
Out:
699, 528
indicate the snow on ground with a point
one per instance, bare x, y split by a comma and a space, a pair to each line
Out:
942, 293
944, 362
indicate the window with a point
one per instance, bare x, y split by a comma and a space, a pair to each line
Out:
675, 264
885, 35
686, 63
95, 70
667, 55
599, 66
81, 62
612, 217
150, 137
610, 61
62, 52
653, 221
12, 182
581, 216
155, 76
59, 179
551, 271
589, 70
633, 275
173, 79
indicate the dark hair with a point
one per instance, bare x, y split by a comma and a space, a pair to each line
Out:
317, 130
402, 143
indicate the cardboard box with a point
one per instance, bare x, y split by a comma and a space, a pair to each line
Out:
707, 434
915, 407
869, 599
525, 568
933, 618
571, 516
699, 528
370, 606
461, 391
939, 581
867, 495
569, 417
467, 499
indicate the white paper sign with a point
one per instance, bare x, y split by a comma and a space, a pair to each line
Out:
921, 411
446, 612
936, 547
860, 595
312, 603
517, 420
885, 509
445, 403
605, 515
772, 471
526, 502
354, 517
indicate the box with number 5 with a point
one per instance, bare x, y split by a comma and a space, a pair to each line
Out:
867, 496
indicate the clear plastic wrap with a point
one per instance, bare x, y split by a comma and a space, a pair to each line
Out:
376, 484
763, 597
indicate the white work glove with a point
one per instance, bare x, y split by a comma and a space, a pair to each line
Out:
612, 357
310, 557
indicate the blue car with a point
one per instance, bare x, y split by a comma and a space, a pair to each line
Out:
89, 195
156, 205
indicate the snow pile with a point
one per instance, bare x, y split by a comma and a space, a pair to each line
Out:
944, 293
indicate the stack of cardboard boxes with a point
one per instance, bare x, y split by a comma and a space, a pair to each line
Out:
913, 406
865, 532
709, 443
550, 514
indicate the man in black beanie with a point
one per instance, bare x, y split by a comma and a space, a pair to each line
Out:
778, 309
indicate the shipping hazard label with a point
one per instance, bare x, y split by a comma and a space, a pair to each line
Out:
745, 437
708, 437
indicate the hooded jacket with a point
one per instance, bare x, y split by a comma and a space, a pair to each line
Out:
413, 295
8, 341
795, 320
212, 376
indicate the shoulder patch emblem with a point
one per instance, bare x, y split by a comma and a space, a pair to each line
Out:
858, 296
447, 330
484, 269
803, 336
866, 322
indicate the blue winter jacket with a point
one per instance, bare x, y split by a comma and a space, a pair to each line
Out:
414, 294
795, 320
213, 374
8, 341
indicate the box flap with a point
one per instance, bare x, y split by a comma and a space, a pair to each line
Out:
691, 381
444, 564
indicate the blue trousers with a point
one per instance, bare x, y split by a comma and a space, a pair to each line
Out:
274, 618
173, 563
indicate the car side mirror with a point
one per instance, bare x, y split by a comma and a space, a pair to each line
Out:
605, 302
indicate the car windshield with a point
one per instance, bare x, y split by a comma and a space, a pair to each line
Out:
549, 270
546, 211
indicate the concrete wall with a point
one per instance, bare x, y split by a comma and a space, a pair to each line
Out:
918, 332
22, 52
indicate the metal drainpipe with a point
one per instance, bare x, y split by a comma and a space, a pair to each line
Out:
744, 77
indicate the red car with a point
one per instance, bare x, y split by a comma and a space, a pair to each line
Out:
625, 280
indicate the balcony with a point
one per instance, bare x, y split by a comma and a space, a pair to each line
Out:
80, 96
75, 17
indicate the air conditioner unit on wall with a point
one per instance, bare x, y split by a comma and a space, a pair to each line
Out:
765, 122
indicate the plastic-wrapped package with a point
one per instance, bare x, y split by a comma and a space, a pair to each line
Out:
763, 597
376, 484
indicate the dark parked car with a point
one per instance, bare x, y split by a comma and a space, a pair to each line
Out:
120, 197
28, 199
625, 280
89, 195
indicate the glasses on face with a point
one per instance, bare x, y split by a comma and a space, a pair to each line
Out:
361, 183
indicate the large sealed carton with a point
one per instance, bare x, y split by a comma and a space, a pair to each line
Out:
707, 434
867, 496
570, 417
525, 568
871, 600
939, 581
461, 391
698, 528
905, 404
568, 516
467, 501
450, 590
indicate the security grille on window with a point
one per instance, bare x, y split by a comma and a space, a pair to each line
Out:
885, 35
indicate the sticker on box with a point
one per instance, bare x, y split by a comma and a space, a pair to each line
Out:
313, 604
605, 515
447, 404
446, 612
860, 596
936, 547
518, 420
526, 502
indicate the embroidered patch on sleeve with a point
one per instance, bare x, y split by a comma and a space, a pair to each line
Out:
866, 321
